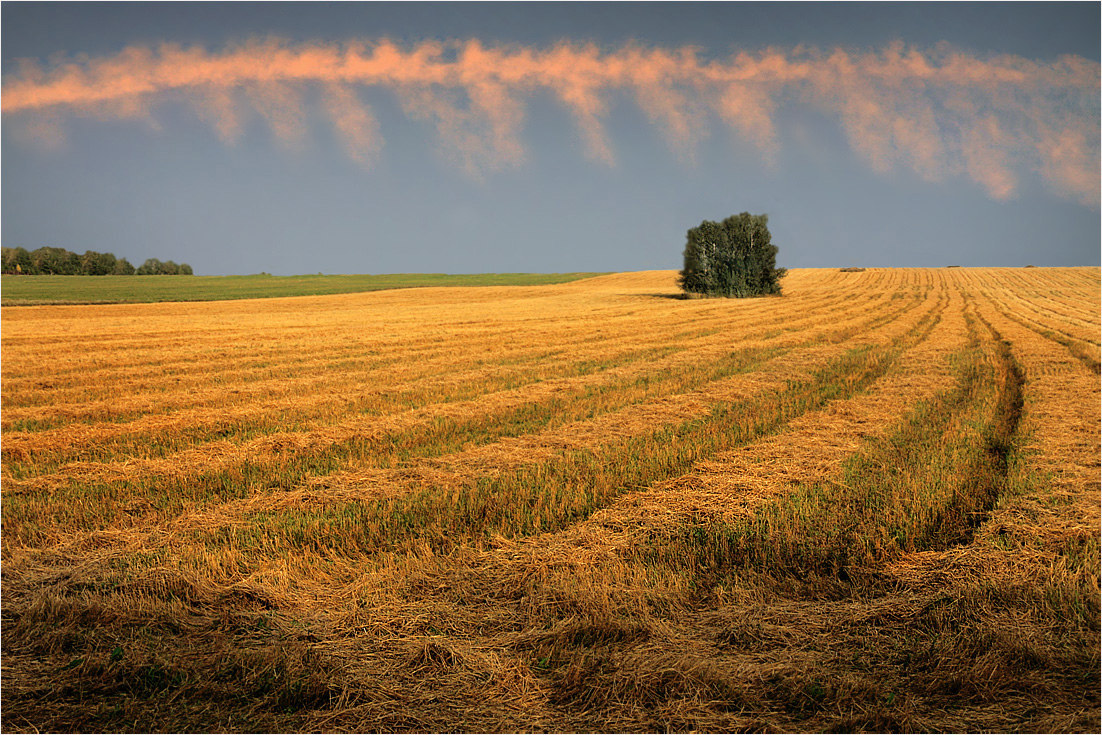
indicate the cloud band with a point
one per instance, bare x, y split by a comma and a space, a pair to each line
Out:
940, 112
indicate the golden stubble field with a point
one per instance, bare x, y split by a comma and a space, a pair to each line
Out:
870, 504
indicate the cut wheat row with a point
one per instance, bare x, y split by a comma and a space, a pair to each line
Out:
49, 447
179, 484
451, 348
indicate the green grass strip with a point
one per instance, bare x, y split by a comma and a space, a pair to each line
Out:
40, 290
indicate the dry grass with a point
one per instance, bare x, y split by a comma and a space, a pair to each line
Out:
872, 504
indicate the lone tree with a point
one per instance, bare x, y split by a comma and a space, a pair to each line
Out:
735, 257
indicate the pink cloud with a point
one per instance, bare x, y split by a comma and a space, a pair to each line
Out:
940, 113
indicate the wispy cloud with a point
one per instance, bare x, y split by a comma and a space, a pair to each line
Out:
940, 112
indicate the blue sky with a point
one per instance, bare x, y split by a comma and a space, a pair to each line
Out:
853, 167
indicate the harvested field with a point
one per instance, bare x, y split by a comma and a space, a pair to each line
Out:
871, 504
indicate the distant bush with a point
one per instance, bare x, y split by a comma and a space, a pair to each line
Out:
60, 262
735, 257
154, 267
851, 270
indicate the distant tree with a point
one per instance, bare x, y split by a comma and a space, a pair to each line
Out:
97, 264
70, 263
59, 261
18, 261
24, 262
735, 257
55, 261
154, 267
44, 260
151, 267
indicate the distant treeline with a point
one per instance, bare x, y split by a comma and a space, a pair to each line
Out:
61, 262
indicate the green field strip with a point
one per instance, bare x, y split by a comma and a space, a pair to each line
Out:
42, 290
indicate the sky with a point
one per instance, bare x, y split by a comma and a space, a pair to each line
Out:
295, 138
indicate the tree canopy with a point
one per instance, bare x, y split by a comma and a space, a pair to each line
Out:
154, 267
61, 262
735, 257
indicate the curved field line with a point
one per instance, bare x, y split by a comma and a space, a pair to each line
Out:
447, 348
1086, 351
400, 375
183, 487
75, 436
45, 445
864, 338
444, 347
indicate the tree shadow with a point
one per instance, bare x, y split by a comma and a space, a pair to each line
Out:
675, 296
